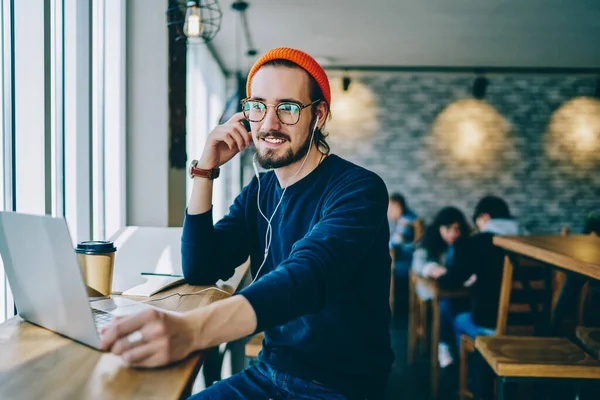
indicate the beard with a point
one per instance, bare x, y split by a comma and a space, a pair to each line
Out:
268, 159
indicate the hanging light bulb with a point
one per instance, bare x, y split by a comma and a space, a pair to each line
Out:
193, 21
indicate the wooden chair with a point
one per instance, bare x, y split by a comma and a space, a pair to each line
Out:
417, 319
521, 295
559, 279
417, 308
417, 330
518, 359
419, 228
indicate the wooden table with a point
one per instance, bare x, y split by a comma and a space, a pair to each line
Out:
39, 364
577, 255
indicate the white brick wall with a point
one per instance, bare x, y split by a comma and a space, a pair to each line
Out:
543, 192
385, 125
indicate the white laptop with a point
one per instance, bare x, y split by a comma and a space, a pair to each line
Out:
46, 280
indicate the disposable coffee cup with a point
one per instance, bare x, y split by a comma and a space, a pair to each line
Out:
97, 260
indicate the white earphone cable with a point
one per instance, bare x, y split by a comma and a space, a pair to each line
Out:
269, 231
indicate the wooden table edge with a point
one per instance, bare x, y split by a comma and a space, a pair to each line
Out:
511, 244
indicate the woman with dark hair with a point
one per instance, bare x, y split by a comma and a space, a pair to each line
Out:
436, 251
432, 259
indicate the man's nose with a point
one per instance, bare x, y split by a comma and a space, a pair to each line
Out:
271, 121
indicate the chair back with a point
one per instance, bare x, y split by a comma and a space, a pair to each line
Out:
523, 297
559, 276
419, 229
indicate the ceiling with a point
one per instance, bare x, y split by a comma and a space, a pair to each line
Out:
423, 33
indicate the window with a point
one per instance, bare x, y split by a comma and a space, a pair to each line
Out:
108, 122
77, 99
205, 104
57, 72
114, 117
31, 86
94, 209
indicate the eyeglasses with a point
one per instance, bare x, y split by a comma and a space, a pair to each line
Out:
288, 112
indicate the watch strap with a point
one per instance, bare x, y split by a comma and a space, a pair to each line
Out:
210, 174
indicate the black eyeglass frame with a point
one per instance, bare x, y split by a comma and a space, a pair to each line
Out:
299, 105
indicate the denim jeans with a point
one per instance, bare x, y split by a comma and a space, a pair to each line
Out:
263, 382
464, 324
446, 321
479, 373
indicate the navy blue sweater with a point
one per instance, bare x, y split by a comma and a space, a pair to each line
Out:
322, 297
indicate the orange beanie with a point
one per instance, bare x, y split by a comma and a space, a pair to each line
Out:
299, 58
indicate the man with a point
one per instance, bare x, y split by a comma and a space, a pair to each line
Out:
479, 265
318, 244
402, 221
402, 234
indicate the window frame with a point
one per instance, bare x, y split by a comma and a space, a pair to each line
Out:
6, 142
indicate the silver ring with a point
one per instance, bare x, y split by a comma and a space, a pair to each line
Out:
135, 338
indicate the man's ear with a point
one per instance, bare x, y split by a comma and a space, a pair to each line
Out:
322, 111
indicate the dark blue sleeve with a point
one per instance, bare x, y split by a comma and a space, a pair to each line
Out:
323, 261
210, 253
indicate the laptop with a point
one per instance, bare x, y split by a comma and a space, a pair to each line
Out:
46, 280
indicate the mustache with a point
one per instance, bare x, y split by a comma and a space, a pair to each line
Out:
273, 134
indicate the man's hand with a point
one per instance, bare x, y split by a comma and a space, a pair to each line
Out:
224, 142
155, 338
165, 338
436, 271
469, 282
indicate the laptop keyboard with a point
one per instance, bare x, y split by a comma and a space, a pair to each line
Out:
101, 318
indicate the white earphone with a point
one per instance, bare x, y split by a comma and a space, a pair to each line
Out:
269, 232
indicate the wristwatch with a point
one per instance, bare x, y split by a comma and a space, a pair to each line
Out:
209, 174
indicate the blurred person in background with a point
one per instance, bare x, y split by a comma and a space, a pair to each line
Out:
433, 258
